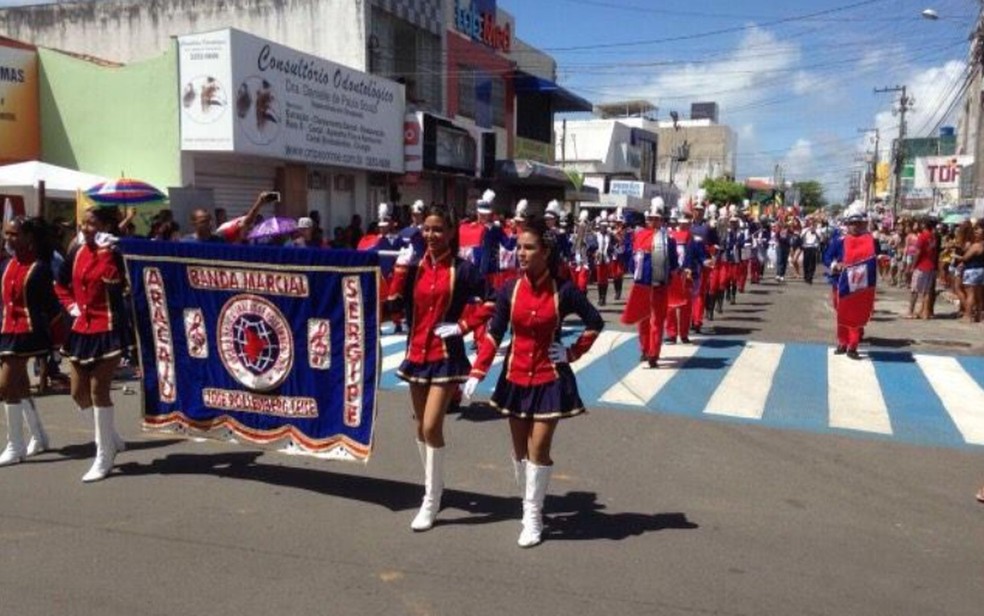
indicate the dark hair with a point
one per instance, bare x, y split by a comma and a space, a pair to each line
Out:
447, 216
41, 234
537, 225
107, 216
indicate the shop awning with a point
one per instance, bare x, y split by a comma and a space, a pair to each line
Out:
564, 100
530, 173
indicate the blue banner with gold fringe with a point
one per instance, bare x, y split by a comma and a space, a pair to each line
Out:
277, 346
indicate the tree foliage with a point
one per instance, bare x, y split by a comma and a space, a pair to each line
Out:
810, 195
724, 190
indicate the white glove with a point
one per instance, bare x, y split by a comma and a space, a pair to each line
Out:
447, 330
557, 353
104, 239
470, 386
74, 311
405, 256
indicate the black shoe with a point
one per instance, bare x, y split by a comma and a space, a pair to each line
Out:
853, 354
696, 329
685, 340
669, 340
840, 350
643, 357
653, 363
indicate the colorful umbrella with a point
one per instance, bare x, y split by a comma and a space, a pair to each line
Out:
126, 192
273, 226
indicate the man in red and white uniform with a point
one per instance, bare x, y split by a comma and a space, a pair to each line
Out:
655, 256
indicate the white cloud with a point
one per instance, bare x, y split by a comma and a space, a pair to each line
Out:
933, 90
798, 162
757, 68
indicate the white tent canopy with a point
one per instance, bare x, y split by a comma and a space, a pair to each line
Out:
59, 183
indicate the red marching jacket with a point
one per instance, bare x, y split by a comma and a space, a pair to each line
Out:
92, 280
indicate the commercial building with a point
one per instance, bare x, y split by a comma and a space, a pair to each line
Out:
476, 97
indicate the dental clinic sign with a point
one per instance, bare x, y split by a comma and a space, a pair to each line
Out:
939, 172
240, 93
476, 19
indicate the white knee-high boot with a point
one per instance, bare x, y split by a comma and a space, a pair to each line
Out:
105, 447
537, 479
422, 450
519, 472
433, 489
118, 441
39, 438
15, 451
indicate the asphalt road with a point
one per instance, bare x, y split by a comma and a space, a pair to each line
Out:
646, 514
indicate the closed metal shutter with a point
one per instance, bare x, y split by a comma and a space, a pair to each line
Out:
235, 184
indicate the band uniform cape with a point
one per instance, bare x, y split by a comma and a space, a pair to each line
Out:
856, 283
649, 272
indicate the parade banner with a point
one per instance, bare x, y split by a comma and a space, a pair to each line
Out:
20, 124
275, 346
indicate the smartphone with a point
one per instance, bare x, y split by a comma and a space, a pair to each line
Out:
273, 196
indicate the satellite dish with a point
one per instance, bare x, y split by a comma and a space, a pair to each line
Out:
930, 14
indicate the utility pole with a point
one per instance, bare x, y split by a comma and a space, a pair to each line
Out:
905, 104
873, 183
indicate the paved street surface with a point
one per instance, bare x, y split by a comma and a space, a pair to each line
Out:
753, 474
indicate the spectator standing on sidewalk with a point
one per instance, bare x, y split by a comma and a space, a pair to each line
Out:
923, 272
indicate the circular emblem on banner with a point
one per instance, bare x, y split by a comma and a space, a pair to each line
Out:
255, 342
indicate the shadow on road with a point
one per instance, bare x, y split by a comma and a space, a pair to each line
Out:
718, 330
889, 343
575, 515
81, 451
479, 412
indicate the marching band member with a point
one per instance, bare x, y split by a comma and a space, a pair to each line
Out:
434, 296
655, 256
412, 235
30, 305
388, 243
622, 241
479, 243
690, 254
734, 249
553, 216
90, 287
853, 274
537, 386
601, 252
579, 249
706, 234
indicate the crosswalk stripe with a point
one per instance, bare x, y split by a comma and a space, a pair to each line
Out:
961, 396
602, 346
855, 397
641, 384
745, 388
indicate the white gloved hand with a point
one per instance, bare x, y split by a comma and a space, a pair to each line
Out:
470, 386
557, 353
405, 256
74, 311
447, 330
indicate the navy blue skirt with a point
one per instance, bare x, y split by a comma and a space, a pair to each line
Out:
434, 372
454, 369
555, 400
24, 345
88, 349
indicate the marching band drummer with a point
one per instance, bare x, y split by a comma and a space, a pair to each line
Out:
29, 306
537, 387
434, 295
90, 287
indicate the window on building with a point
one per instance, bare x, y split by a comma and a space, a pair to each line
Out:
403, 52
498, 101
466, 91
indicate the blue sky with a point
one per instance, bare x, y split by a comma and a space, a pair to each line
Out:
795, 79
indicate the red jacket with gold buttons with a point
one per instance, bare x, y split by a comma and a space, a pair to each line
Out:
29, 303
535, 311
92, 279
435, 292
